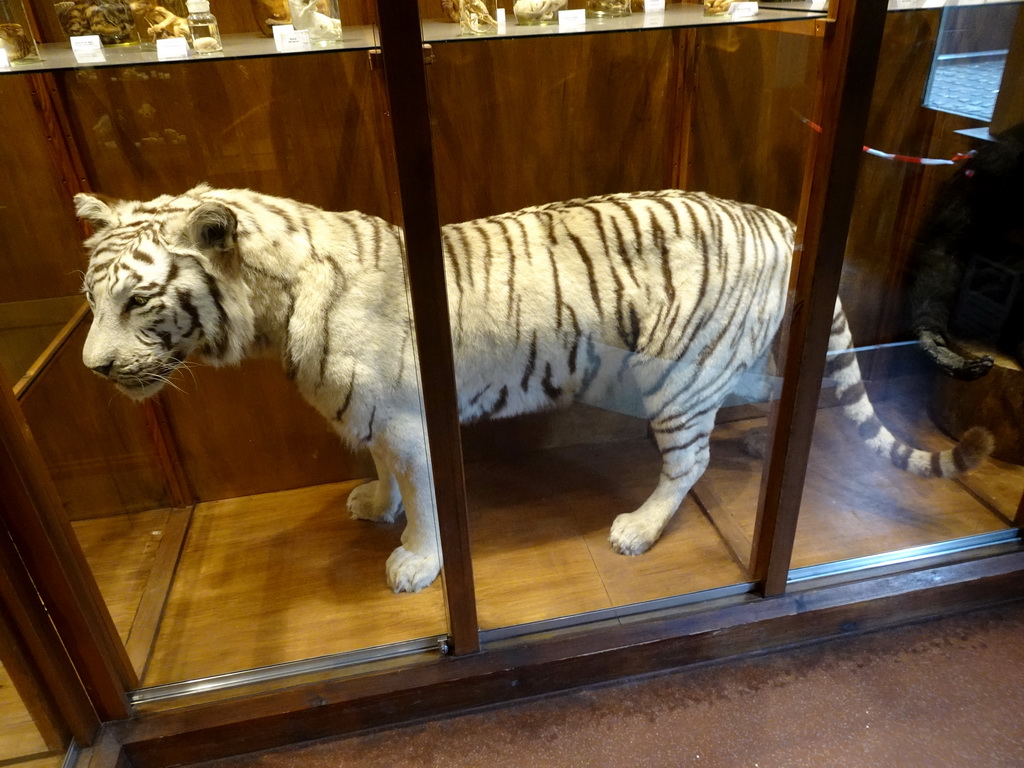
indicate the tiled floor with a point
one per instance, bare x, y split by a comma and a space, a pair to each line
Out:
966, 86
943, 694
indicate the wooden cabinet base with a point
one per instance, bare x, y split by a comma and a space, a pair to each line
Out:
518, 669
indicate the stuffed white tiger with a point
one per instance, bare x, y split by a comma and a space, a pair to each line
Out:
675, 294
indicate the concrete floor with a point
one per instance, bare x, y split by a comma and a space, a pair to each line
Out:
944, 693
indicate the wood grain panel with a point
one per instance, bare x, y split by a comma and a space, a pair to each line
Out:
282, 577
19, 738
307, 127
95, 441
121, 551
24, 706
37, 225
540, 523
531, 121
28, 327
247, 430
747, 94
884, 216
855, 503
133, 558
312, 128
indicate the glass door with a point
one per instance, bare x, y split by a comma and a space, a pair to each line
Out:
930, 288
241, 300
618, 242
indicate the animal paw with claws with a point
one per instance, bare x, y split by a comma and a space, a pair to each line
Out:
410, 571
369, 502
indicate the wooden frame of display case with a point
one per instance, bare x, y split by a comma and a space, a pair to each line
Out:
389, 692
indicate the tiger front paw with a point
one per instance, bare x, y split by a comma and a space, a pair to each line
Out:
633, 534
370, 501
411, 571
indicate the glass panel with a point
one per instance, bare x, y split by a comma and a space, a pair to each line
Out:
925, 242
216, 514
628, 306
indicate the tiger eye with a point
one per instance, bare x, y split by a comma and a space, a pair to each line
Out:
138, 301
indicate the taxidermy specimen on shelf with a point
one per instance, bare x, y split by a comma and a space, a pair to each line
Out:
535, 11
110, 19
304, 15
159, 22
968, 263
14, 40
669, 295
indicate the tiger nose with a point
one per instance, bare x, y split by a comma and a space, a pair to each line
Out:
103, 370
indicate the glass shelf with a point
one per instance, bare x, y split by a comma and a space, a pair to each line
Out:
58, 56
927, 5
676, 16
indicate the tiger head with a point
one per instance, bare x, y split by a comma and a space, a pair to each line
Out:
163, 285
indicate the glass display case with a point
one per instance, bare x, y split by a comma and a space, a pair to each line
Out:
558, 379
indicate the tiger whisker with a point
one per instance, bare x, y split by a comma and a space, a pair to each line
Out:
166, 379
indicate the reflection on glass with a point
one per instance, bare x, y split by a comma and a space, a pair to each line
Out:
28, 328
970, 55
917, 279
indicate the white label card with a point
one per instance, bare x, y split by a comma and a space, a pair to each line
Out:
572, 21
172, 48
654, 6
499, 17
87, 49
5, 62
288, 39
743, 10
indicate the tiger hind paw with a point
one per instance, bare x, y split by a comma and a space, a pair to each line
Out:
367, 502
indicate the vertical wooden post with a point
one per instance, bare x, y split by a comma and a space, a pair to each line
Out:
852, 42
36, 660
402, 53
33, 514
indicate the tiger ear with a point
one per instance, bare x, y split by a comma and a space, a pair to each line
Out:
212, 226
95, 209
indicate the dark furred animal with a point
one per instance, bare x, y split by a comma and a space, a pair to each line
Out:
968, 264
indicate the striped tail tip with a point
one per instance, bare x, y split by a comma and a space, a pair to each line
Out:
976, 445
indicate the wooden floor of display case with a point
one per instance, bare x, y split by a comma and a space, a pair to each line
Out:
19, 737
286, 576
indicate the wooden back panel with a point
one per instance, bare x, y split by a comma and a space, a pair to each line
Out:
41, 240
748, 90
96, 443
716, 110
532, 121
